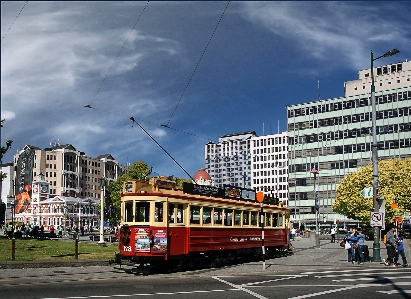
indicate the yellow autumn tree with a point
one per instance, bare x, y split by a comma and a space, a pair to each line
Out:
395, 187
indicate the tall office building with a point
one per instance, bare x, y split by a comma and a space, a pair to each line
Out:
269, 165
334, 136
228, 161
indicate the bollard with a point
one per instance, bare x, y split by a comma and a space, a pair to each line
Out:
13, 249
76, 247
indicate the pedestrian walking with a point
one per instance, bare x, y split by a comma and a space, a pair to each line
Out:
400, 251
390, 246
293, 233
360, 244
349, 245
333, 231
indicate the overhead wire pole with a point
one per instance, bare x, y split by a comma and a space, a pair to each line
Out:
134, 121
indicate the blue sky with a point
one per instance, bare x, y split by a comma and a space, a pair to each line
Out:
168, 63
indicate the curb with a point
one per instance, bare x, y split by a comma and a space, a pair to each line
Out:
52, 264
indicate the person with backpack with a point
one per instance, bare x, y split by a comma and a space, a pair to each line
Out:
400, 251
390, 245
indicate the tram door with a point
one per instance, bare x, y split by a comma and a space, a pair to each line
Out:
177, 238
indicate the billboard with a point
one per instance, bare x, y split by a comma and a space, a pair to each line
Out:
24, 170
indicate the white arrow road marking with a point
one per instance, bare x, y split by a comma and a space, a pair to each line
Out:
239, 288
395, 292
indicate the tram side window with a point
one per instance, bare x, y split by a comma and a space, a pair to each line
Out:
194, 215
218, 216
228, 217
207, 213
280, 220
158, 212
254, 218
268, 219
237, 217
246, 218
180, 213
171, 216
275, 220
128, 211
142, 212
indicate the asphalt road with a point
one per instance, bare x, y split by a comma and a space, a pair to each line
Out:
354, 282
308, 273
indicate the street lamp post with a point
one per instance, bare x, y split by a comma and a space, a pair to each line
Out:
377, 202
13, 240
317, 208
103, 188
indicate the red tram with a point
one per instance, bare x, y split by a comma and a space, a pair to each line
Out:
167, 226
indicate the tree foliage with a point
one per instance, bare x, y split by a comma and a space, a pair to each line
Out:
395, 187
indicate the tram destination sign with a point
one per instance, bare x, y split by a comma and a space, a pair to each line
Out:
230, 192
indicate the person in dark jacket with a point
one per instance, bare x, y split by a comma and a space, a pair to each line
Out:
390, 244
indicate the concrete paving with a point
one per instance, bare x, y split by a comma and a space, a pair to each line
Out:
305, 257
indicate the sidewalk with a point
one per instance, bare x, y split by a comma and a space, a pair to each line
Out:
305, 256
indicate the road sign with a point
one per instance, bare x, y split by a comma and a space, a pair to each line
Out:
367, 192
376, 219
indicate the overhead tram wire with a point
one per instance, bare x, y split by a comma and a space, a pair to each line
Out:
140, 119
14, 20
134, 121
115, 60
195, 69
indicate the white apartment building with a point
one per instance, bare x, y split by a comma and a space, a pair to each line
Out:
269, 165
228, 162
334, 137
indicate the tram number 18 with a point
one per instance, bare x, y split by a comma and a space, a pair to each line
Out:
127, 248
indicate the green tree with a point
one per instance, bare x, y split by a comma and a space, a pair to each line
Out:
395, 187
138, 171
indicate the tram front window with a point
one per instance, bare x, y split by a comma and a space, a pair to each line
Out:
180, 214
142, 211
275, 220
158, 212
128, 212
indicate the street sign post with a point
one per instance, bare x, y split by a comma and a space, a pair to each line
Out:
367, 192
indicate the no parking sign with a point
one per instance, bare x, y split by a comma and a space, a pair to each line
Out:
376, 219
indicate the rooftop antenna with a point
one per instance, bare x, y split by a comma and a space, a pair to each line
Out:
318, 89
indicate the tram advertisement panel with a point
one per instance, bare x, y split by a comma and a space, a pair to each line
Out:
142, 240
160, 240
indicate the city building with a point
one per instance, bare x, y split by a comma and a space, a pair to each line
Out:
73, 182
334, 136
228, 161
269, 165
69, 171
